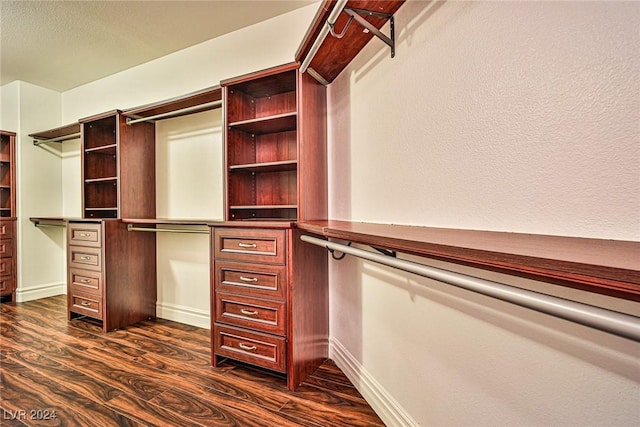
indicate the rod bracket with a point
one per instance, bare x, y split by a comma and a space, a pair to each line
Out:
357, 15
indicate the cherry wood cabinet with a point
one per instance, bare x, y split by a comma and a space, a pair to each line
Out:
269, 290
8, 253
111, 273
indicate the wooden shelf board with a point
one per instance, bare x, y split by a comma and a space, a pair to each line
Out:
277, 123
335, 54
168, 221
110, 179
194, 99
245, 207
103, 149
57, 132
610, 267
285, 165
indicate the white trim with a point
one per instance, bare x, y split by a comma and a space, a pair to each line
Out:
188, 315
41, 291
387, 408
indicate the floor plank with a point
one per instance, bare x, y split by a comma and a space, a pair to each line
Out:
154, 373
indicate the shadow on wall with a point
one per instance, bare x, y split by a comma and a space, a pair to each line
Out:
600, 349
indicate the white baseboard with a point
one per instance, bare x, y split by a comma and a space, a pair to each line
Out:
387, 408
40, 291
182, 314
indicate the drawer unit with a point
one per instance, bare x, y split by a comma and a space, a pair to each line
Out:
252, 279
85, 281
261, 246
6, 229
85, 258
264, 350
89, 305
6, 248
255, 313
85, 234
6, 285
6, 267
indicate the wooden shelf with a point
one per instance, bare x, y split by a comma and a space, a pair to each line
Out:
174, 105
59, 132
110, 179
285, 165
335, 54
277, 123
609, 267
105, 149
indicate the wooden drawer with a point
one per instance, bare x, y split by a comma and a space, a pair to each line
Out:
259, 349
252, 245
85, 234
6, 285
85, 281
6, 248
6, 267
251, 279
89, 305
85, 258
6, 229
258, 314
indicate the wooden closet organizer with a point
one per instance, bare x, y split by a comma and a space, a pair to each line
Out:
8, 189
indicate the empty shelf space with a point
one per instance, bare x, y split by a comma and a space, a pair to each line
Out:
276, 123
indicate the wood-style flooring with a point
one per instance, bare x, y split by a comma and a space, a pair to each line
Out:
155, 373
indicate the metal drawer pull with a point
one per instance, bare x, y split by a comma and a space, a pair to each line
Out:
247, 347
248, 279
85, 258
247, 245
85, 281
84, 234
248, 312
86, 303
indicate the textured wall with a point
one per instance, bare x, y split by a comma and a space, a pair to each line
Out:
514, 116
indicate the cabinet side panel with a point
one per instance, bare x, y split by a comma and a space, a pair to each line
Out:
137, 170
312, 151
309, 309
130, 275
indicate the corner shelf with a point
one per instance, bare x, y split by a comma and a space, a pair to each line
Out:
59, 134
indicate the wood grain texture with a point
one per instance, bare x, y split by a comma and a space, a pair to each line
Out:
609, 267
154, 373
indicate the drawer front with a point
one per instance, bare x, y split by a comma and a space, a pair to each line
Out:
6, 285
257, 349
82, 234
6, 267
252, 245
251, 279
6, 248
85, 258
258, 314
6, 229
88, 305
85, 281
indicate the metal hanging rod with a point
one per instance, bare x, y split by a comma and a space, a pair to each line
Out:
39, 224
616, 323
331, 20
131, 227
37, 142
131, 121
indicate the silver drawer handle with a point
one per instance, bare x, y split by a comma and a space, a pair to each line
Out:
85, 258
247, 245
84, 234
247, 347
248, 279
85, 281
85, 303
248, 312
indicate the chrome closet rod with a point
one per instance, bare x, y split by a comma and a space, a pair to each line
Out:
165, 230
614, 322
331, 20
176, 112
37, 141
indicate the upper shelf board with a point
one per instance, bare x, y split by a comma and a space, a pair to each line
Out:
335, 53
174, 107
60, 134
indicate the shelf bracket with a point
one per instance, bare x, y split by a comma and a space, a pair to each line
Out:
356, 15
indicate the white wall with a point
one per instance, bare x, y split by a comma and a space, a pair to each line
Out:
509, 116
26, 109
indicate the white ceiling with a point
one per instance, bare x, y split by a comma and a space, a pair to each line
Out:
63, 44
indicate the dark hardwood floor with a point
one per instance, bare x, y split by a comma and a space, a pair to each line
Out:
56, 372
